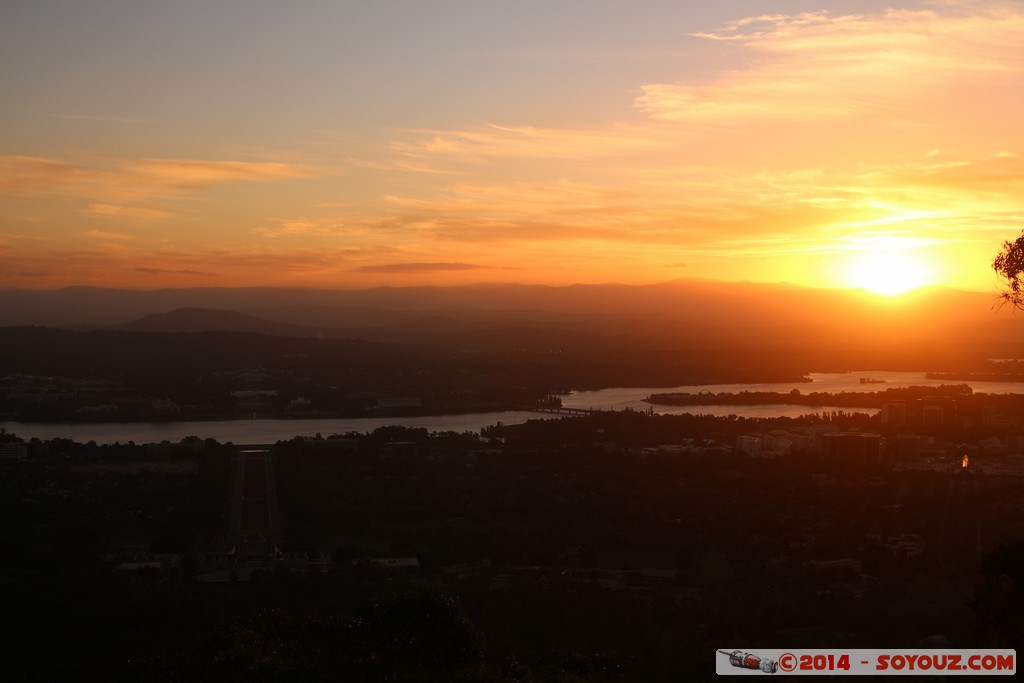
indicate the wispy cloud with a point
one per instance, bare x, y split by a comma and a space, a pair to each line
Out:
429, 148
305, 227
816, 66
167, 271
1001, 172
190, 174
825, 128
107, 182
29, 273
122, 263
8, 237
105, 235
418, 268
817, 134
134, 212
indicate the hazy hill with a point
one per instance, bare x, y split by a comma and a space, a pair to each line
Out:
687, 314
214, 320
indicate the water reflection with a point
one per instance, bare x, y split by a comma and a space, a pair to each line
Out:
622, 398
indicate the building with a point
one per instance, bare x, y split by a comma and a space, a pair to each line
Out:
856, 450
894, 414
751, 445
906, 446
937, 411
13, 451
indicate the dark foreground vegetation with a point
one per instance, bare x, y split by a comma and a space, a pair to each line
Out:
618, 547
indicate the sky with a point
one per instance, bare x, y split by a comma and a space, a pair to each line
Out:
319, 143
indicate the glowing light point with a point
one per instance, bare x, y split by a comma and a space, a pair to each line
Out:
888, 269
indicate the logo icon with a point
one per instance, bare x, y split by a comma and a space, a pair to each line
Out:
745, 660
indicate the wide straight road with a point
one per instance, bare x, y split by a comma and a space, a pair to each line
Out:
254, 507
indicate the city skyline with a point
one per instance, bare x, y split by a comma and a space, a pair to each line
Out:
827, 144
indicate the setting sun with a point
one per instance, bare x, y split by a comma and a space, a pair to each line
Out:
380, 332
888, 272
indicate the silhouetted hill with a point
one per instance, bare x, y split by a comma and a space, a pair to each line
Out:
214, 320
827, 325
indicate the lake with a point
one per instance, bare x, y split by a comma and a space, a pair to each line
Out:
270, 431
821, 382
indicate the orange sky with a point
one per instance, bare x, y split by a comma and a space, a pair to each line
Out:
213, 144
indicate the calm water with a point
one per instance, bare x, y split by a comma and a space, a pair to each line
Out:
252, 431
269, 431
821, 382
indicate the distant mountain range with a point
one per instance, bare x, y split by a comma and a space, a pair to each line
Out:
683, 314
212, 320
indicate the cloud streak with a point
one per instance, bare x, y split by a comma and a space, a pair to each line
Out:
106, 182
816, 66
787, 141
419, 268
166, 271
827, 129
131, 212
105, 235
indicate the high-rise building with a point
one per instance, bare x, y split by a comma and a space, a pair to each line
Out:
853, 450
937, 411
894, 414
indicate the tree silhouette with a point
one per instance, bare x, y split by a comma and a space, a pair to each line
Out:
999, 595
1009, 264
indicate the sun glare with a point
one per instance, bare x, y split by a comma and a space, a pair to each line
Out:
888, 272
